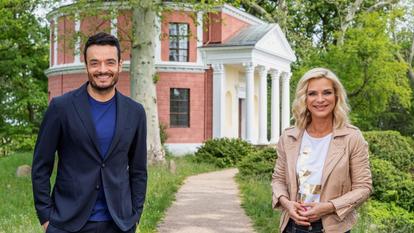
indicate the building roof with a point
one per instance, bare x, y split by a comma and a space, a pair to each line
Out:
248, 36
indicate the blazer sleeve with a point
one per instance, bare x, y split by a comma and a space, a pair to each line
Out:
279, 187
361, 181
138, 164
43, 161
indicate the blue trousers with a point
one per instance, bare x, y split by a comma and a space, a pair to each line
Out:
94, 227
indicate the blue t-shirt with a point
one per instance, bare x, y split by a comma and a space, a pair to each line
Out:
104, 119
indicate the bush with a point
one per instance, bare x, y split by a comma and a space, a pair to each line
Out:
223, 152
391, 184
387, 217
391, 146
259, 163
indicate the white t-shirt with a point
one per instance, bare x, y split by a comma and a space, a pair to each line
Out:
309, 166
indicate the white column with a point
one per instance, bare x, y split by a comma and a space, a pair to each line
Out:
114, 24
51, 32
249, 69
275, 107
157, 39
199, 36
55, 41
218, 100
77, 42
286, 100
263, 105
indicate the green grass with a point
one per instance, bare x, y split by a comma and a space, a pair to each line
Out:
256, 196
17, 213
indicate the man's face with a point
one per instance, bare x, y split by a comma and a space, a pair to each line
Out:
103, 67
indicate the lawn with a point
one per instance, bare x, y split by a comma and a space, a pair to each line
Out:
17, 212
256, 196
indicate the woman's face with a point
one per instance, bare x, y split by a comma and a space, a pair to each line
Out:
320, 98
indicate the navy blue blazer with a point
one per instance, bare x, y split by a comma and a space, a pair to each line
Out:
67, 129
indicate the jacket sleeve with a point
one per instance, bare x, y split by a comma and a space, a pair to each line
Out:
361, 181
279, 187
138, 164
43, 161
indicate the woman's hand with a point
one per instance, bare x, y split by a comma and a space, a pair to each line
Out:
315, 210
294, 208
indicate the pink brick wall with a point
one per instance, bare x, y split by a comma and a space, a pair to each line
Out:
178, 17
221, 27
60, 84
91, 25
124, 33
195, 82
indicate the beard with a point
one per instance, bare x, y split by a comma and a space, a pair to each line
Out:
92, 81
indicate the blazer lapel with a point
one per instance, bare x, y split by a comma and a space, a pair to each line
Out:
335, 152
121, 121
83, 110
292, 153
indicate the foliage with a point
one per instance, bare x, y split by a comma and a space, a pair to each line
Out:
260, 163
387, 217
17, 213
23, 58
392, 185
223, 152
391, 146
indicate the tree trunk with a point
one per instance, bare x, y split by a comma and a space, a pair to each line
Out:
142, 71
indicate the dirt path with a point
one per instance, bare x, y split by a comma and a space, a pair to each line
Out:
207, 203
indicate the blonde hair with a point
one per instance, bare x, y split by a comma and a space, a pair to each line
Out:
302, 115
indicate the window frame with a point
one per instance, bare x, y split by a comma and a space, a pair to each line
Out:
178, 39
179, 113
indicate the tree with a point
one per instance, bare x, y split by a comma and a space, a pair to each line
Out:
143, 75
23, 58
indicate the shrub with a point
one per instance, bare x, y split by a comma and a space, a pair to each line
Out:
391, 146
391, 184
259, 163
223, 152
387, 217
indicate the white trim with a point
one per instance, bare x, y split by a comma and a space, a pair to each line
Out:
73, 68
77, 42
180, 149
51, 32
239, 14
55, 42
199, 37
114, 25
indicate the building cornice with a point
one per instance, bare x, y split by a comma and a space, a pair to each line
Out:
79, 68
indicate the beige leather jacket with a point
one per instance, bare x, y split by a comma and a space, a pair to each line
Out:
346, 178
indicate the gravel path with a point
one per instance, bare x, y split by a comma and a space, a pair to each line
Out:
207, 203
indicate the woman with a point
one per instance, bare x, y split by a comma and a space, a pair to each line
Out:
322, 172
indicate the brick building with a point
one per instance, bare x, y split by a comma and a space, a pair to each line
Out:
212, 76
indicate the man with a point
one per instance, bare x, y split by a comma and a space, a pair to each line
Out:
100, 139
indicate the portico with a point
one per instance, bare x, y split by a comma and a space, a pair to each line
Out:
240, 87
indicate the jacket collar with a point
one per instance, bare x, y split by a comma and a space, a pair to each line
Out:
83, 109
335, 152
297, 133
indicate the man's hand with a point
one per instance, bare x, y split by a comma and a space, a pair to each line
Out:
314, 210
45, 225
294, 209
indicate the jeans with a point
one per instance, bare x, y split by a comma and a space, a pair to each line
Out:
315, 227
94, 227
